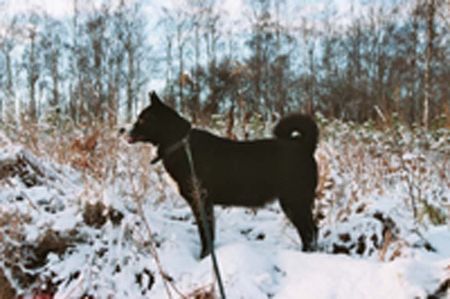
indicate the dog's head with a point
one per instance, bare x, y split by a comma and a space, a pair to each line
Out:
158, 124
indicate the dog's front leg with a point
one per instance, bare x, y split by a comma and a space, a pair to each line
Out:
202, 230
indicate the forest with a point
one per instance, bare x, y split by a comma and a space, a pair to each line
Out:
86, 214
384, 61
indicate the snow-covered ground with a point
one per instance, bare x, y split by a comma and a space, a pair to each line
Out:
67, 231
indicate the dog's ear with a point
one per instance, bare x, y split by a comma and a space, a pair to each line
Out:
154, 99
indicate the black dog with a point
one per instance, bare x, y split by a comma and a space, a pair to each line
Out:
233, 173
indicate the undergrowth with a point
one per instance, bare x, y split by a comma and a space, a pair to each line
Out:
377, 186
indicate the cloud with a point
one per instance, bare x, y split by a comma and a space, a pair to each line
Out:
56, 9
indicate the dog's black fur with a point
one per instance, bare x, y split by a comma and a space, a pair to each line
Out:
234, 173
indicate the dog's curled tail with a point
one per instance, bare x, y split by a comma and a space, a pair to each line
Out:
300, 127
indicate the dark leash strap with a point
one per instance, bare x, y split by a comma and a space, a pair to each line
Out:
206, 227
198, 198
170, 150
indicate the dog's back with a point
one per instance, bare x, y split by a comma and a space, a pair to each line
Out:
251, 173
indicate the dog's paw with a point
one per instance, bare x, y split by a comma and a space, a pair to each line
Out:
204, 253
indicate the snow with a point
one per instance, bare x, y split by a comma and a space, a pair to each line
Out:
145, 231
440, 238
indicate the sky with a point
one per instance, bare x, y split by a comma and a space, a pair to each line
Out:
236, 16
235, 8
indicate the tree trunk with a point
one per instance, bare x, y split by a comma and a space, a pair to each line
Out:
10, 105
1, 110
75, 91
431, 9
195, 107
169, 66
180, 69
98, 87
412, 117
130, 79
55, 77
312, 81
32, 76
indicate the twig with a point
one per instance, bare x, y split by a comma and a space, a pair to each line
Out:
77, 284
24, 195
380, 113
153, 250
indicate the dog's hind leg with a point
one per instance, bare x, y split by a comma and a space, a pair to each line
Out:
301, 216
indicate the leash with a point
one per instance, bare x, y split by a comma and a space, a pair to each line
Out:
170, 150
197, 196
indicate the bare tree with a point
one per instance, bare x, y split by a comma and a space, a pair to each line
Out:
51, 44
7, 44
32, 66
96, 64
428, 75
176, 22
133, 41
